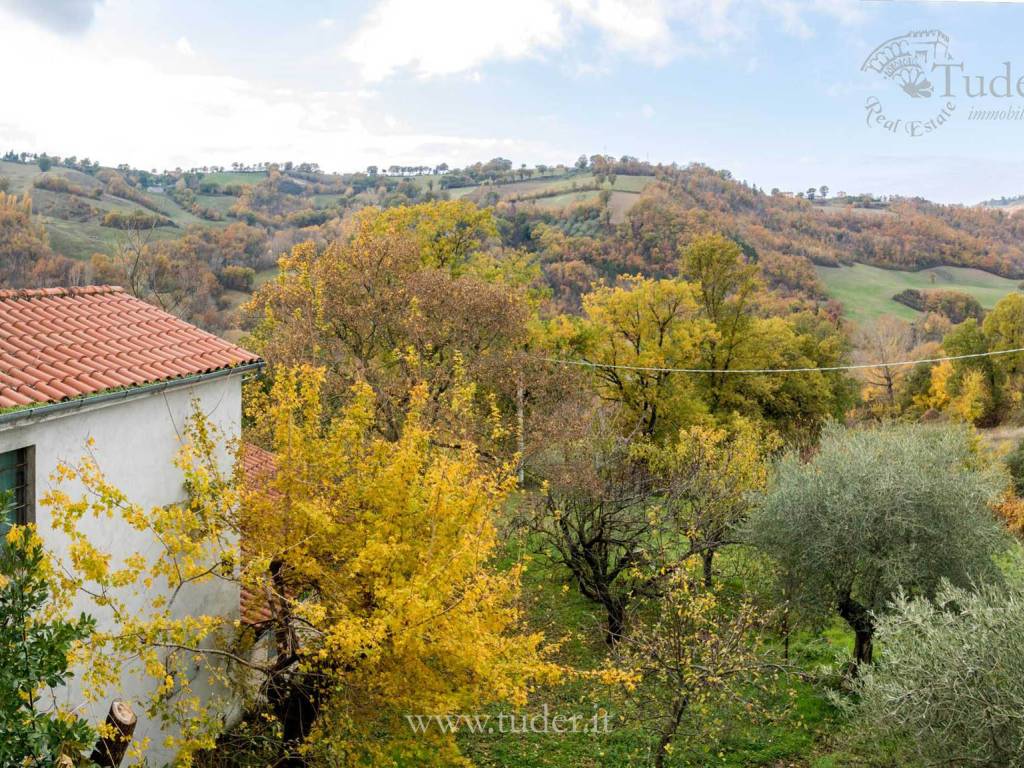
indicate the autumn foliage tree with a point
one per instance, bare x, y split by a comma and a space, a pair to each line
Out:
26, 259
636, 330
401, 298
696, 656
633, 332
880, 343
710, 477
593, 516
370, 559
382, 553
725, 286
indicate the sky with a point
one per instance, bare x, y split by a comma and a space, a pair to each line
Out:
772, 90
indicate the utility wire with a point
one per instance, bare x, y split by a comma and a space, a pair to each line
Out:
861, 366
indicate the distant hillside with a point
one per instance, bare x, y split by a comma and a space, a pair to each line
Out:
868, 292
74, 205
558, 191
219, 230
1006, 203
74, 213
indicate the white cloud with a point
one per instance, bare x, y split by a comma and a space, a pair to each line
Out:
792, 18
184, 47
326, 23
450, 36
847, 12
216, 118
639, 27
647, 111
445, 37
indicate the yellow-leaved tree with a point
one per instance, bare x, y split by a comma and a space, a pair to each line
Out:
712, 476
365, 563
635, 331
406, 296
376, 556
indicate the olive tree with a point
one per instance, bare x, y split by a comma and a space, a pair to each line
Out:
880, 510
949, 687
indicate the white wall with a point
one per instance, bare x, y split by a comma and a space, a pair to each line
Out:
136, 441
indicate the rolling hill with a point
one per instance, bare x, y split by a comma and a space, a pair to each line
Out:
866, 292
75, 221
616, 217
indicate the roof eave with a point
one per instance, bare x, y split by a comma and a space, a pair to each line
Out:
42, 410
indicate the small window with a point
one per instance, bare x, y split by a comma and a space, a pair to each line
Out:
17, 491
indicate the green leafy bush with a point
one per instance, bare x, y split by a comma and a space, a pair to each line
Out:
1015, 463
34, 650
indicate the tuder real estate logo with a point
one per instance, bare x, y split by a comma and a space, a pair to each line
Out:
909, 61
932, 82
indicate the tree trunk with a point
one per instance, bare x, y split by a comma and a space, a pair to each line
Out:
863, 646
668, 731
295, 699
110, 750
616, 611
297, 708
659, 756
863, 626
708, 556
521, 424
785, 632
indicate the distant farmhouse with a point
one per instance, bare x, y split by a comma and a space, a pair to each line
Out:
96, 363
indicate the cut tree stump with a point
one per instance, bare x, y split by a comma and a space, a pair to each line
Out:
109, 751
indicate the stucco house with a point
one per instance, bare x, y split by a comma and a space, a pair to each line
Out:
97, 363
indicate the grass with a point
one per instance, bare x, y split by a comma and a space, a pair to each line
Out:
235, 299
222, 203
567, 198
20, 175
628, 186
866, 292
794, 730
632, 183
620, 203
327, 201
80, 239
232, 177
625, 192
264, 276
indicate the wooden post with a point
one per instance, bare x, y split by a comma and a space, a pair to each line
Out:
109, 751
521, 424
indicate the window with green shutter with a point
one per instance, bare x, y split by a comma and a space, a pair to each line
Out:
17, 494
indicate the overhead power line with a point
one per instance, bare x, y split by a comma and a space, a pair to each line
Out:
824, 369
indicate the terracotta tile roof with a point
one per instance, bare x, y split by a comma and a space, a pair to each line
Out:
258, 468
60, 343
258, 465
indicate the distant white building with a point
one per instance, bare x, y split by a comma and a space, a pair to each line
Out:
98, 363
